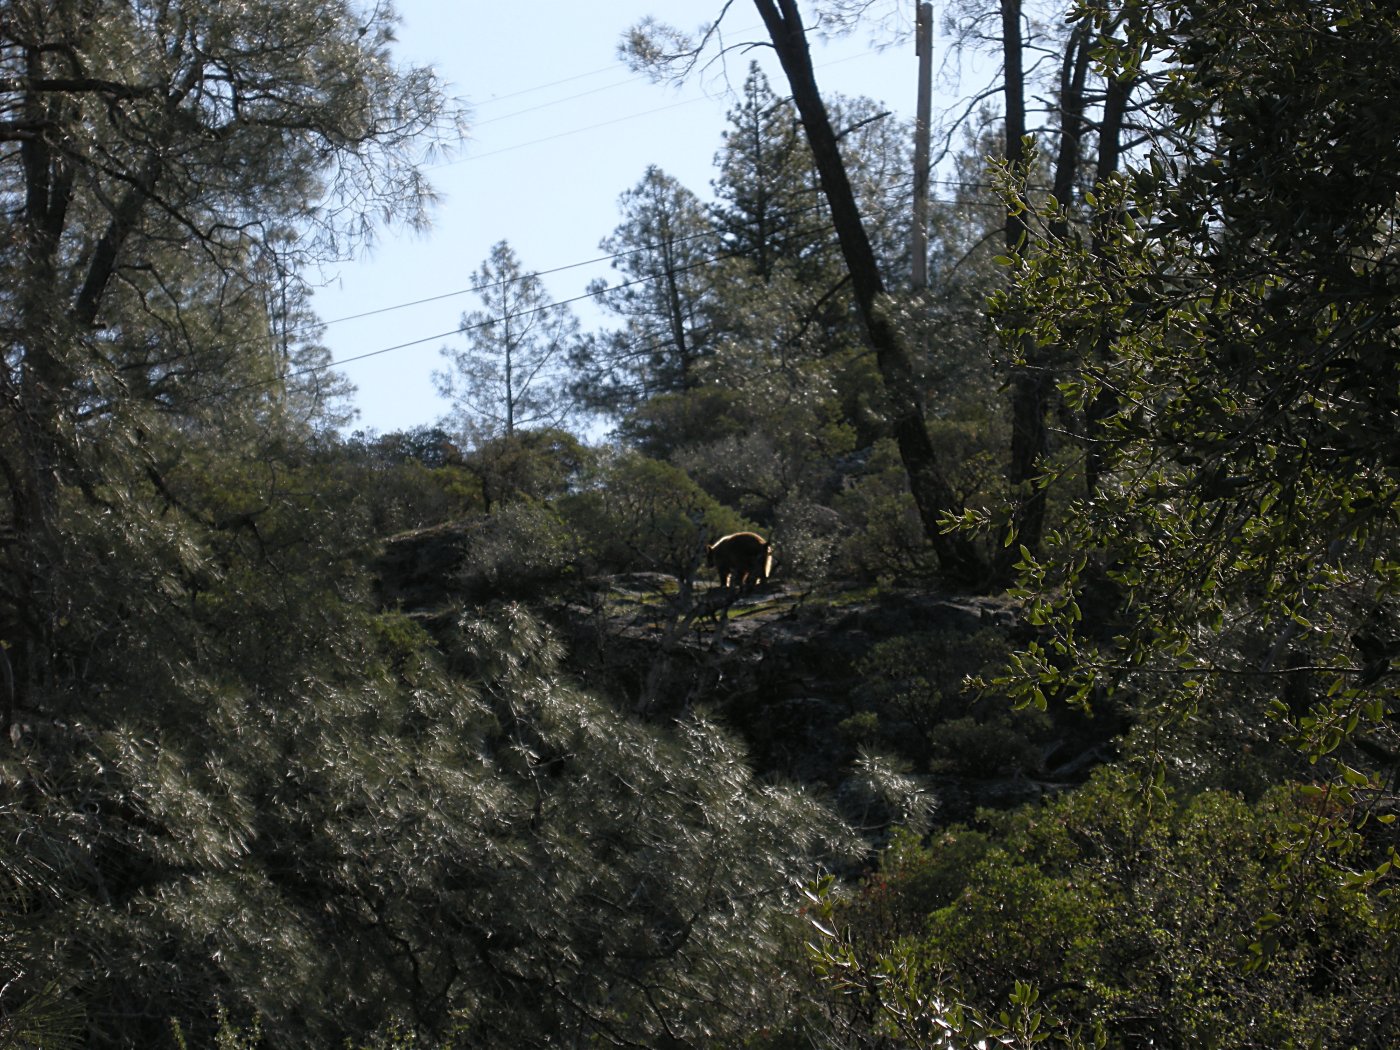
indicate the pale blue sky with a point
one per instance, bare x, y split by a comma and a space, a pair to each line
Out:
558, 130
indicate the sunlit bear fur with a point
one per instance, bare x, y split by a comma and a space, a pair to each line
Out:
743, 560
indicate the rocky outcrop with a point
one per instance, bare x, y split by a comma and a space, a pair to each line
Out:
785, 669
788, 668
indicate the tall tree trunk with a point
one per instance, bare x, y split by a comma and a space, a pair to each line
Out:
1115, 111
1115, 108
35, 385
957, 556
1014, 96
675, 306
1030, 380
1073, 73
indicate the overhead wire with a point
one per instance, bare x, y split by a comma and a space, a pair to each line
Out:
465, 328
608, 87
462, 329
574, 131
550, 138
613, 257
610, 68
555, 102
594, 91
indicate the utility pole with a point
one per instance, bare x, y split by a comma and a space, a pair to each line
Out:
923, 47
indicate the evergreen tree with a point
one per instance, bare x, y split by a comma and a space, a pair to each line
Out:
664, 249
511, 374
768, 209
877, 147
151, 156
306, 388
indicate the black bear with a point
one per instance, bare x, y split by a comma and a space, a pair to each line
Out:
742, 559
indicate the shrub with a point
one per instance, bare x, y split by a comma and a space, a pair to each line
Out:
520, 550
640, 514
916, 685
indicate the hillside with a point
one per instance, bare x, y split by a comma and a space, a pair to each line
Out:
795, 670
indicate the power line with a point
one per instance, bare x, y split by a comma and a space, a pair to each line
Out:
601, 124
463, 329
556, 102
464, 291
610, 68
608, 87
614, 256
534, 311
611, 257
574, 131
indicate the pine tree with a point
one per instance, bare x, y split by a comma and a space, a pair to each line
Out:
511, 374
665, 250
152, 156
768, 209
